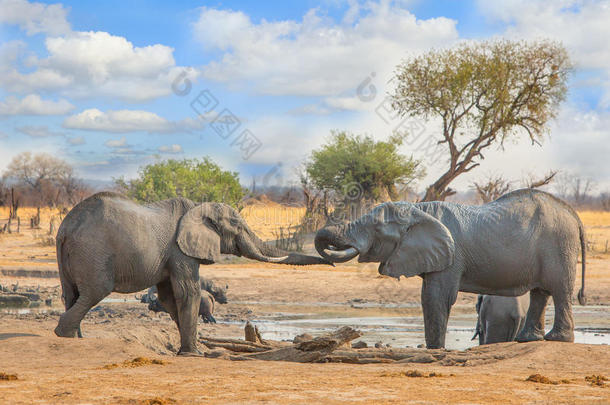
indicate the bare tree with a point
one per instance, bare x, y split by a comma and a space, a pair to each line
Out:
604, 199
482, 94
537, 182
493, 188
41, 173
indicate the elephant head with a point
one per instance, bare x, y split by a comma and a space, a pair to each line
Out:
405, 240
209, 229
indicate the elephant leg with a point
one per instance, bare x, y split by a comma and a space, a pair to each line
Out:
534, 322
563, 325
165, 295
438, 294
187, 293
69, 322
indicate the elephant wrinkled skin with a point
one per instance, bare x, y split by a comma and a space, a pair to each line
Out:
109, 243
526, 240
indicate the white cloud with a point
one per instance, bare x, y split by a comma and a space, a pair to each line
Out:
170, 148
35, 18
347, 103
315, 56
121, 121
75, 141
582, 26
116, 143
38, 131
89, 64
32, 104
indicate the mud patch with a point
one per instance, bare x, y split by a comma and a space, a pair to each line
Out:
136, 362
597, 380
416, 374
8, 377
539, 378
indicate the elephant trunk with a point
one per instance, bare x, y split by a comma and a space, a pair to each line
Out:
332, 245
253, 247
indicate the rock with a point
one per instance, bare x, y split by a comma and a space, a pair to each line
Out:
302, 338
420, 346
388, 345
49, 302
31, 296
378, 345
359, 345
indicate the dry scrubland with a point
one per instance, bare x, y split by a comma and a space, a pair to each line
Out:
37, 367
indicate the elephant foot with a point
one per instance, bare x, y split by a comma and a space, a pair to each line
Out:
560, 336
190, 353
529, 336
61, 332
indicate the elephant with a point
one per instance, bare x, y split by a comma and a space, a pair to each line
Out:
206, 304
109, 243
219, 293
500, 318
526, 240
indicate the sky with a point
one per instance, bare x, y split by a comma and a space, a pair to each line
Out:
111, 86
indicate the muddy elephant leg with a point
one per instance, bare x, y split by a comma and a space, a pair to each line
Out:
438, 294
187, 292
534, 322
165, 294
563, 325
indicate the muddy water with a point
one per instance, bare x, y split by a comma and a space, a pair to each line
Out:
593, 327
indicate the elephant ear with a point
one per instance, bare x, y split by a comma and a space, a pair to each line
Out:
197, 237
425, 246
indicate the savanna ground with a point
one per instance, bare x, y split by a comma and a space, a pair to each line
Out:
99, 368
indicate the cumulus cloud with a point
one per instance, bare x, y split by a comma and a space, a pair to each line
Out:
122, 121
581, 25
33, 104
38, 131
75, 141
35, 18
89, 64
174, 148
116, 143
315, 56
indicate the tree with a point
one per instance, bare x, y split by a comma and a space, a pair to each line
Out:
197, 180
496, 186
483, 94
359, 168
41, 175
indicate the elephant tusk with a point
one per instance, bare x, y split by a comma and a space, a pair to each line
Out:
341, 255
276, 259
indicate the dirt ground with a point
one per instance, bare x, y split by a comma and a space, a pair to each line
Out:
99, 368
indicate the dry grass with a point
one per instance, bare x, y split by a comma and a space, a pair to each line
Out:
597, 225
266, 220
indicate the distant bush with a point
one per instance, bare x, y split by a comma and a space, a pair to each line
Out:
197, 180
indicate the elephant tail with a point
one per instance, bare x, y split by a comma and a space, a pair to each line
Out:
582, 299
69, 291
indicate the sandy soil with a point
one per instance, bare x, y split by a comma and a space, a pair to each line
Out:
55, 370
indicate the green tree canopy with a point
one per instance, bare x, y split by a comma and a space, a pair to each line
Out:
350, 163
197, 180
483, 93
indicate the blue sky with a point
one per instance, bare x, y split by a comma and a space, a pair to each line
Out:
91, 82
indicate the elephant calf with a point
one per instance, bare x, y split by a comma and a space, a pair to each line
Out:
500, 318
206, 305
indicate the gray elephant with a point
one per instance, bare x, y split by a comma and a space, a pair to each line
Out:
526, 240
500, 318
219, 293
109, 243
206, 305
